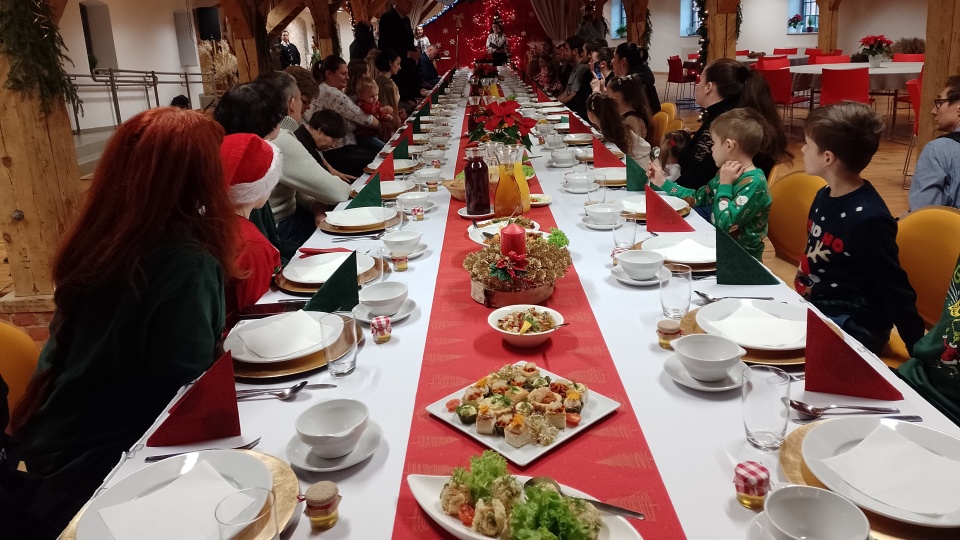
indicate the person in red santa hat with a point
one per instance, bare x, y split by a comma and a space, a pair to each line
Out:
251, 169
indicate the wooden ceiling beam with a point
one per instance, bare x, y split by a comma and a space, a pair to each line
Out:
282, 15
57, 7
426, 11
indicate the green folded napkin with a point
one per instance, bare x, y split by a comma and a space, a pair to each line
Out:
636, 176
434, 97
340, 292
416, 125
369, 195
565, 119
425, 110
737, 267
402, 150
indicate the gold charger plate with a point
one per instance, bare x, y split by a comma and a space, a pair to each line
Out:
309, 289
347, 231
296, 366
881, 528
286, 489
578, 143
404, 170
642, 216
688, 325
695, 268
613, 183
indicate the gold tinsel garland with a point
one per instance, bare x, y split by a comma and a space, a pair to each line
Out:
546, 263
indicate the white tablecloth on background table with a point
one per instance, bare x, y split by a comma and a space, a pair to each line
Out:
696, 438
795, 59
889, 76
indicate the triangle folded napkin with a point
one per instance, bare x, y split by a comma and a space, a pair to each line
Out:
603, 157
208, 410
424, 110
309, 252
434, 97
402, 150
833, 367
385, 170
341, 291
542, 96
577, 125
369, 195
661, 217
416, 124
405, 135
737, 267
636, 176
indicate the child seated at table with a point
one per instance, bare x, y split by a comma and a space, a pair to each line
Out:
368, 99
737, 195
673, 143
851, 271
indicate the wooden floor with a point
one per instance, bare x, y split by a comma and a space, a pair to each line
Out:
885, 171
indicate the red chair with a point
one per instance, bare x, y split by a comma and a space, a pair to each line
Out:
676, 75
830, 59
785, 51
812, 52
903, 57
914, 90
835, 52
780, 82
845, 85
773, 62
898, 99
744, 52
693, 56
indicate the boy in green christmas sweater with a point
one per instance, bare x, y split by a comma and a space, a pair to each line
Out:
738, 193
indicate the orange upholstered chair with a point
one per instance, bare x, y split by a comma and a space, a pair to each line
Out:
18, 361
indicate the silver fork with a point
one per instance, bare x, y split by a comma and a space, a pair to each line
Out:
248, 446
361, 237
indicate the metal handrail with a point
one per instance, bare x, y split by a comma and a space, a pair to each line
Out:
114, 79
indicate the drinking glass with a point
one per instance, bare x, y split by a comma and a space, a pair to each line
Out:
375, 273
625, 236
339, 332
250, 511
598, 195
394, 206
766, 391
675, 290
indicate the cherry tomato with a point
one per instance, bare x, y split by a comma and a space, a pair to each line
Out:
452, 404
573, 419
465, 514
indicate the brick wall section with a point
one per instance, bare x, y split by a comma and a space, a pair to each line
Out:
37, 325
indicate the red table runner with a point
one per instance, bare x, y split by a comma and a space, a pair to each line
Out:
609, 460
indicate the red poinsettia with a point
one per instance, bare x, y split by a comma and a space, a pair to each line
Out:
502, 122
512, 267
875, 45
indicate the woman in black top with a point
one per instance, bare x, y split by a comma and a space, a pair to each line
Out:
497, 44
724, 85
629, 93
363, 41
628, 59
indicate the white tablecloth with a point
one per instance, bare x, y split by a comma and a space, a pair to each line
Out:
696, 438
889, 76
795, 59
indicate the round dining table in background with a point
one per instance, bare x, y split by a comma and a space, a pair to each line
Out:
890, 76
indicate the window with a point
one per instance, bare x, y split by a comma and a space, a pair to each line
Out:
618, 20
689, 18
809, 13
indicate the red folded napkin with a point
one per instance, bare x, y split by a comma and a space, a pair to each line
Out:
661, 217
603, 157
208, 410
309, 252
542, 97
577, 125
386, 168
407, 134
833, 367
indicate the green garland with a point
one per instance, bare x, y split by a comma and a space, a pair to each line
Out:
647, 37
705, 34
34, 48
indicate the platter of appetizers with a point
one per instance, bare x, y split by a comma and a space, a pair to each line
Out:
523, 411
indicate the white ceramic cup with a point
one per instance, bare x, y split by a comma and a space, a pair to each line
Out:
563, 157
640, 265
800, 512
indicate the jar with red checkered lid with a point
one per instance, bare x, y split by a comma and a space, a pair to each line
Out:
752, 481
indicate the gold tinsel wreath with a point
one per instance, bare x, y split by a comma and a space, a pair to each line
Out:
546, 263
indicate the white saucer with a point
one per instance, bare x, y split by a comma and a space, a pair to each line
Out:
760, 528
678, 373
427, 206
362, 312
579, 191
463, 213
418, 251
588, 221
622, 277
301, 457
543, 200
550, 163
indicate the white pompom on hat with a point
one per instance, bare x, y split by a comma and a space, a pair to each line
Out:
251, 167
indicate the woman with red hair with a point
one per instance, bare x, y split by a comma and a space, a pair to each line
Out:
139, 307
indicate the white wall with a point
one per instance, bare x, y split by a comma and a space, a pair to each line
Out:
765, 27
144, 39
892, 18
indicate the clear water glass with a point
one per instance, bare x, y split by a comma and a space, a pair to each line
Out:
766, 391
625, 236
339, 332
247, 513
376, 273
675, 290
394, 206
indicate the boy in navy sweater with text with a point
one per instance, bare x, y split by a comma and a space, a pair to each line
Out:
851, 271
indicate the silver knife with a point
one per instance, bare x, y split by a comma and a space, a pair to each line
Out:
901, 417
315, 386
613, 509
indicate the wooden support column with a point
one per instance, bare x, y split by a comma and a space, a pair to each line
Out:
282, 15
828, 28
40, 191
722, 29
942, 60
248, 29
636, 11
323, 21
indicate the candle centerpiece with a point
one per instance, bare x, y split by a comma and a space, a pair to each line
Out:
517, 268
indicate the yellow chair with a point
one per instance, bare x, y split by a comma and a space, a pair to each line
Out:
774, 174
18, 360
675, 125
658, 126
792, 197
670, 108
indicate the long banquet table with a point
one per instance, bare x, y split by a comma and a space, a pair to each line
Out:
694, 439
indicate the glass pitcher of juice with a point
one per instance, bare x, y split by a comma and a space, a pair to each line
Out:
477, 182
510, 157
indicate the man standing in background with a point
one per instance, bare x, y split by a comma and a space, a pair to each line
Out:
289, 53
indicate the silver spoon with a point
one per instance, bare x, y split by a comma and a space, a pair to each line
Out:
817, 412
605, 507
248, 446
711, 299
282, 395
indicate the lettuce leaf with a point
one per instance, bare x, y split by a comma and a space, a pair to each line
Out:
545, 515
484, 469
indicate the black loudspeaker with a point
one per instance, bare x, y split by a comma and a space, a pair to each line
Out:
208, 21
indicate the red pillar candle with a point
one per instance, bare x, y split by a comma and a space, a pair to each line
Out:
513, 238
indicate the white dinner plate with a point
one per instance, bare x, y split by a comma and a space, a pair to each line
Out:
365, 216
596, 407
317, 269
237, 468
548, 104
420, 138
426, 489
622, 277
612, 174
393, 188
362, 312
551, 163
539, 199
477, 236
412, 149
239, 350
301, 457
638, 203
591, 224
428, 118
417, 251
554, 117
427, 206
579, 190
463, 213
579, 138
679, 374
667, 245
404, 165
554, 110
829, 439
767, 339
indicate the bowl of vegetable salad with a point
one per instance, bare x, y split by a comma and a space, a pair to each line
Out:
525, 325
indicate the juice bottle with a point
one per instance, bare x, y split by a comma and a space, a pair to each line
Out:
477, 183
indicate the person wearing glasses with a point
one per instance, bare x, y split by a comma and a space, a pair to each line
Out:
936, 180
